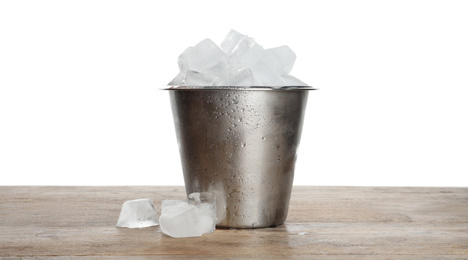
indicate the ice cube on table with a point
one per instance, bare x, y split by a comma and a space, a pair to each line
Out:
206, 205
207, 217
189, 219
206, 56
138, 213
292, 81
179, 219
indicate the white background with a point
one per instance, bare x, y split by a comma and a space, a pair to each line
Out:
80, 98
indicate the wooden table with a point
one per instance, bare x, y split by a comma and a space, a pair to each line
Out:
323, 223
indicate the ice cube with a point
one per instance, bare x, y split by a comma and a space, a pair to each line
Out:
182, 60
231, 41
266, 66
178, 80
244, 77
189, 219
252, 56
138, 213
281, 59
207, 217
206, 56
242, 50
196, 79
265, 76
193, 78
206, 205
235, 45
180, 219
292, 81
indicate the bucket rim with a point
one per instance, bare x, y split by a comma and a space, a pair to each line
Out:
235, 88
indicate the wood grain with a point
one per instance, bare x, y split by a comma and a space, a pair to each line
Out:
323, 223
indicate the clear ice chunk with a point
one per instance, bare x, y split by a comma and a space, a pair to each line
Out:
189, 219
266, 66
179, 219
205, 57
252, 56
178, 80
182, 61
244, 78
138, 213
230, 42
292, 81
235, 45
265, 76
207, 217
281, 59
206, 205
193, 78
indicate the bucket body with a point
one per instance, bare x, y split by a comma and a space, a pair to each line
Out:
240, 145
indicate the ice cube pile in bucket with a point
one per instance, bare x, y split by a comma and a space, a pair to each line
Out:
239, 62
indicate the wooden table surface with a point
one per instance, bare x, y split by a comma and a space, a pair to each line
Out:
323, 223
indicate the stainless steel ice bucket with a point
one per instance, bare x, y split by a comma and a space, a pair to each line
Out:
240, 144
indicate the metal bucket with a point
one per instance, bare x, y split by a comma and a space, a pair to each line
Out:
240, 144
